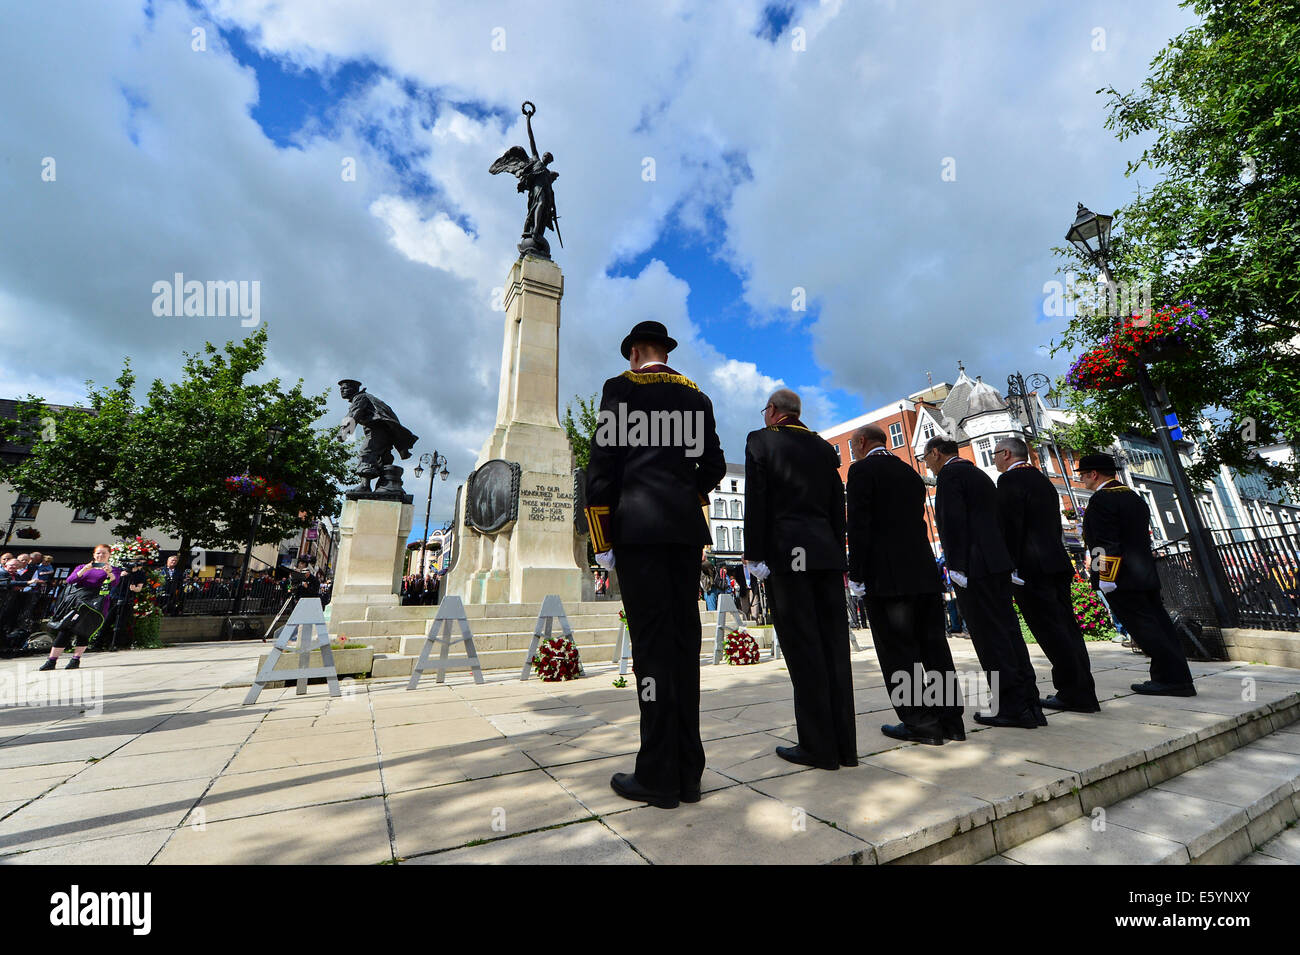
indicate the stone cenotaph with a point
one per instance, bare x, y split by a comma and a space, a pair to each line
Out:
515, 519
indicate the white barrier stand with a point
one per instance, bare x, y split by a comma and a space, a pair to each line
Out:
450, 611
552, 610
622, 648
307, 625
726, 605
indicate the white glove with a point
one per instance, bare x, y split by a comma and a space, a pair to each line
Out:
759, 570
1106, 586
957, 577
606, 559
857, 589
1016, 579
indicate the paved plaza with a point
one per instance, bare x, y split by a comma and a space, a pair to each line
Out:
174, 769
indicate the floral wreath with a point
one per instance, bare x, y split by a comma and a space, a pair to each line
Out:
740, 648
556, 660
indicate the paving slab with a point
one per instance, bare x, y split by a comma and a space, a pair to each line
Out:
419, 769
583, 843
137, 848
445, 817
122, 772
895, 813
1080, 843
57, 820
1199, 824
257, 755
343, 833
272, 790
732, 827
1285, 847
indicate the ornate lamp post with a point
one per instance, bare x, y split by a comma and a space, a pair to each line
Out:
273, 435
434, 461
1016, 390
1090, 234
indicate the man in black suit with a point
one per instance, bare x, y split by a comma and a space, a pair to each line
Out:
1029, 510
1116, 532
966, 510
654, 458
892, 566
794, 530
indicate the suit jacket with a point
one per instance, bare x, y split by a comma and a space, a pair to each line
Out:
966, 510
1118, 521
794, 498
1029, 510
646, 483
889, 549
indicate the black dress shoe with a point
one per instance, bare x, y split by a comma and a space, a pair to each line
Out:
1054, 702
849, 762
957, 731
801, 757
1152, 688
1025, 721
48, 664
626, 785
908, 735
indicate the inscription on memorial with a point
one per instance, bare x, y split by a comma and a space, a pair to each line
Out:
546, 502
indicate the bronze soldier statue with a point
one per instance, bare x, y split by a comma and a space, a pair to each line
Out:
384, 433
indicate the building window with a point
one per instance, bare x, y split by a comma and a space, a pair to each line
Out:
735, 487
896, 435
927, 431
27, 507
719, 508
984, 451
722, 539
852, 456
839, 454
1049, 459
84, 515
739, 536
735, 510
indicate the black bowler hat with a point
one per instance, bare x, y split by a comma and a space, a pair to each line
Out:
1098, 462
647, 332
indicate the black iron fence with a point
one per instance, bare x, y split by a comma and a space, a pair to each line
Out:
215, 596
1263, 576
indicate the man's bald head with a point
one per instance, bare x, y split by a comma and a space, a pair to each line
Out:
867, 438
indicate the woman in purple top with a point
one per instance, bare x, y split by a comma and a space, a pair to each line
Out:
90, 582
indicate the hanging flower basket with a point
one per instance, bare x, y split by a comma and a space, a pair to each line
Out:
1167, 333
740, 648
556, 660
133, 550
253, 485
28, 533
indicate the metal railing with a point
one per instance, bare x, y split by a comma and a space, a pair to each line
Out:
1263, 578
213, 597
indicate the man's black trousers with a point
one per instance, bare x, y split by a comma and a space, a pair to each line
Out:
1145, 618
660, 586
991, 619
808, 614
1048, 609
908, 632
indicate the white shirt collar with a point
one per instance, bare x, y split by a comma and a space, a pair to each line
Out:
1018, 464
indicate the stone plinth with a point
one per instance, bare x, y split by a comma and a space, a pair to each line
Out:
535, 556
372, 539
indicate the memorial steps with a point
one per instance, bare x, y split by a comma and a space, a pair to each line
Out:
502, 634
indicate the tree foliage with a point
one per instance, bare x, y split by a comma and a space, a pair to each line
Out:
581, 429
162, 464
1221, 228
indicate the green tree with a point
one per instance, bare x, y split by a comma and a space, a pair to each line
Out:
582, 429
1221, 106
163, 464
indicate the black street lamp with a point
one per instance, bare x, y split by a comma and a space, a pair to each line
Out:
1090, 234
434, 461
1016, 390
273, 435
15, 512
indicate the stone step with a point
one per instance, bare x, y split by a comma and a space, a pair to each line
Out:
1216, 813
